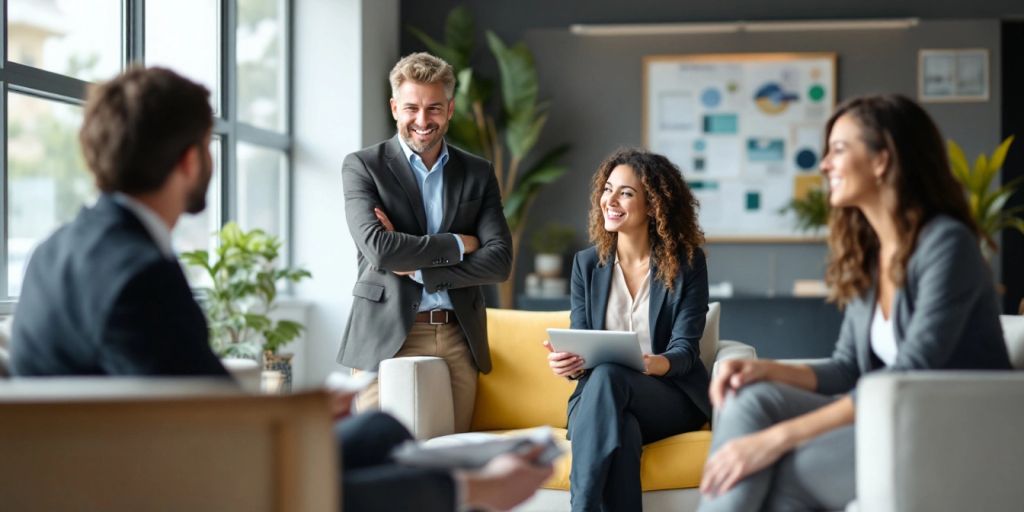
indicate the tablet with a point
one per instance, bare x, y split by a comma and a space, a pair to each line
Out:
596, 347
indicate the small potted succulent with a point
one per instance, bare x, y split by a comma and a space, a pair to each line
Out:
549, 245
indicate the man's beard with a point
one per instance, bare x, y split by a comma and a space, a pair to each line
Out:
196, 200
407, 135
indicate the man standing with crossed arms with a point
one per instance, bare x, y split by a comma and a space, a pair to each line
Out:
427, 220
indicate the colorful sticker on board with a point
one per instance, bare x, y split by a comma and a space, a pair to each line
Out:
702, 185
699, 145
766, 150
772, 99
699, 164
711, 98
806, 159
721, 124
816, 93
753, 201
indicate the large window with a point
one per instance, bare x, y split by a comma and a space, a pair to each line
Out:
55, 48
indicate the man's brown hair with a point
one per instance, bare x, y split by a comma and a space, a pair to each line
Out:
139, 124
423, 68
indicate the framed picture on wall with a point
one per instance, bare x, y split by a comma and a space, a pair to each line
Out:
953, 75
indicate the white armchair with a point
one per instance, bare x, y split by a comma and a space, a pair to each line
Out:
930, 441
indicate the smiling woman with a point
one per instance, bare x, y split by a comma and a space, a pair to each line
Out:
905, 262
646, 273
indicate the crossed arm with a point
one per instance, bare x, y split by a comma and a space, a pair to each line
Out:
485, 258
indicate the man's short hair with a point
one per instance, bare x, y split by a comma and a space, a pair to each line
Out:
424, 68
138, 125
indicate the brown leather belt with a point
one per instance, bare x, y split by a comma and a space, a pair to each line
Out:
436, 317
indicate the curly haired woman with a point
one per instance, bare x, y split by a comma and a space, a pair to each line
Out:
645, 273
905, 262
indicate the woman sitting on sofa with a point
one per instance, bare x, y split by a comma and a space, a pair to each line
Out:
645, 273
905, 262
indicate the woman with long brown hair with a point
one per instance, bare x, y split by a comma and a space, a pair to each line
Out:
905, 263
645, 273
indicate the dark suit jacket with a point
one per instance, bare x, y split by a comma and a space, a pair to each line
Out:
946, 316
385, 304
100, 298
677, 318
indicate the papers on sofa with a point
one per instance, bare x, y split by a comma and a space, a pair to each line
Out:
474, 450
348, 383
598, 347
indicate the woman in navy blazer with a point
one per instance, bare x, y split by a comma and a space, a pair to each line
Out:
645, 273
905, 262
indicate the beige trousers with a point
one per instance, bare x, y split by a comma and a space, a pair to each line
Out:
449, 343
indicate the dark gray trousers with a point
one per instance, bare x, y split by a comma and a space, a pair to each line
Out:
370, 478
612, 414
818, 475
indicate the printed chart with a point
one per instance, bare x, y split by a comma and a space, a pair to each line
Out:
747, 131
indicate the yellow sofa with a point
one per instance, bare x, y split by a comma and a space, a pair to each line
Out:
522, 393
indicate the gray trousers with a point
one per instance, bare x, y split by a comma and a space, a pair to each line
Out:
817, 475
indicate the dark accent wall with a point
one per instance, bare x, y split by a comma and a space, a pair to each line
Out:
1013, 123
594, 86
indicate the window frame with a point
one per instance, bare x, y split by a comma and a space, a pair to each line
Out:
32, 81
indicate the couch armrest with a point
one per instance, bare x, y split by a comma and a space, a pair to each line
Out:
940, 441
728, 349
417, 391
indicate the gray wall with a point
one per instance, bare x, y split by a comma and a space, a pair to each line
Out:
594, 85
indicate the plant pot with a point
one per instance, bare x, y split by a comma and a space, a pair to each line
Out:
245, 371
548, 265
281, 363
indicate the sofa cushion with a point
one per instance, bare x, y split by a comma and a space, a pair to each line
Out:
709, 341
520, 391
675, 462
1013, 332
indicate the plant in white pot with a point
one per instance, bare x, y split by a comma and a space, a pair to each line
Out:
549, 245
244, 278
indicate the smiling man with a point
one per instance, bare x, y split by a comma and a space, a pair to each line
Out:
427, 220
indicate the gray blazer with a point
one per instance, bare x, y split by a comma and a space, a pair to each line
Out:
945, 317
384, 304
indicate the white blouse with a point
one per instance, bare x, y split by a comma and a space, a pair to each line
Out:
883, 337
626, 313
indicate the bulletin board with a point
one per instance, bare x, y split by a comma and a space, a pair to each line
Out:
746, 130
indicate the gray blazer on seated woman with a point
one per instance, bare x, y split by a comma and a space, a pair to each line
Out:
906, 264
646, 273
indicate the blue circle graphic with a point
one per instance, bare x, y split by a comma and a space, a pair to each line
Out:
699, 145
806, 159
711, 98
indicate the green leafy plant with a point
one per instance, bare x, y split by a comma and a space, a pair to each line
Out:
502, 127
987, 202
811, 211
552, 239
244, 281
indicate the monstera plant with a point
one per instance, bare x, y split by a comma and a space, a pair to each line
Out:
500, 121
987, 203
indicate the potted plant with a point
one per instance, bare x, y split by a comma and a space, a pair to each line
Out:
242, 294
500, 120
811, 210
985, 201
549, 245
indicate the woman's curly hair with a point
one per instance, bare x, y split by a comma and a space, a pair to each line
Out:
924, 187
673, 230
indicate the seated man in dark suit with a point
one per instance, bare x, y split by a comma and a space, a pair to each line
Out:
104, 295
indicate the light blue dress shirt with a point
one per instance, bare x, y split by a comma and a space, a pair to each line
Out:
431, 184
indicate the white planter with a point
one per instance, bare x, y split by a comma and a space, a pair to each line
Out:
548, 265
246, 372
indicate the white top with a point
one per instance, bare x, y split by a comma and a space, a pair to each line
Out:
625, 313
158, 231
883, 337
